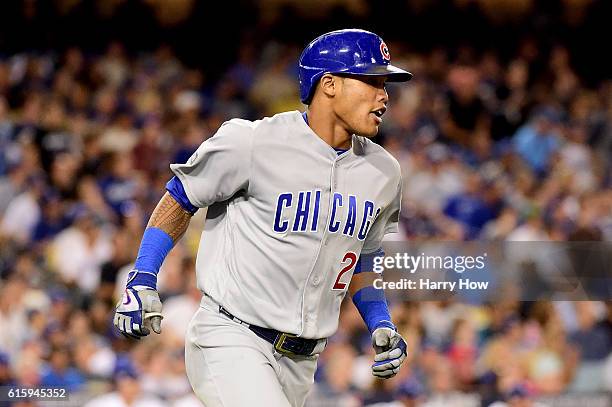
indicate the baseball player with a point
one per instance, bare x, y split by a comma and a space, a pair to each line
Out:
297, 206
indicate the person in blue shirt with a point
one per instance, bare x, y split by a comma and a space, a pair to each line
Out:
538, 140
470, 207
59, 372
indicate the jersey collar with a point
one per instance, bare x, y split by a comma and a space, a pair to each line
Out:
339, 153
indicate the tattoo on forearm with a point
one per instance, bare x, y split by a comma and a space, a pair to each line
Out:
170, 217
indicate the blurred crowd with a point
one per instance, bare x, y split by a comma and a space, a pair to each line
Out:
516, 151
490, 149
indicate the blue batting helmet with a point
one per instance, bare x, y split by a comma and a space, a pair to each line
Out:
357, 52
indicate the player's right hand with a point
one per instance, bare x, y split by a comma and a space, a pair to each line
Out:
138, 312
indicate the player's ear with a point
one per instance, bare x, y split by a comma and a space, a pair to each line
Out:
329, 84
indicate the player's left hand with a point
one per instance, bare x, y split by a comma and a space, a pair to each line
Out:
390, 350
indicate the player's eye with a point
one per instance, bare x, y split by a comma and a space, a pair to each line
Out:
376, 81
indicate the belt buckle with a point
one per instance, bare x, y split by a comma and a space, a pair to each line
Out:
280, 341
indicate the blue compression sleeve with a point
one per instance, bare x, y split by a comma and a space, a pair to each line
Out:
371, 302
176, 189
154, 247
373, 308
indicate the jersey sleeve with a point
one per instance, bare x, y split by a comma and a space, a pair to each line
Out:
219, 168
386, 222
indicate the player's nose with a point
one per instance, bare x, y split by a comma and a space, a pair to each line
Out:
383, 96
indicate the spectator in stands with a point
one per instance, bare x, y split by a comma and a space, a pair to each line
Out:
537, 141
128, 391
60, 373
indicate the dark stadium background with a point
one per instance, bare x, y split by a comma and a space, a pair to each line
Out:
209, 35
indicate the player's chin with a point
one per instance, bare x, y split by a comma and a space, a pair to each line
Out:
366, 128
369, 131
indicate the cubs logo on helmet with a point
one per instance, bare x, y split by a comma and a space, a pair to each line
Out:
384, 50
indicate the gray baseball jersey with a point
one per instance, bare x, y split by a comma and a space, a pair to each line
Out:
287, 219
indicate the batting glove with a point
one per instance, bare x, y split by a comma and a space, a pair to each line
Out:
139, 310
390, 350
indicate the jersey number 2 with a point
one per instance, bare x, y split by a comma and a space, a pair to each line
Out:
352, 259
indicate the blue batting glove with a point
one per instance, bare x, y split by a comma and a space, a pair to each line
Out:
139, 310
391, 350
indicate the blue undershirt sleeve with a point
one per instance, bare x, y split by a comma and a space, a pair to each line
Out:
366, 261
176, 189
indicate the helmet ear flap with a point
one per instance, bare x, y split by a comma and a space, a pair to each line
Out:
310, 85
309, 79
311, 88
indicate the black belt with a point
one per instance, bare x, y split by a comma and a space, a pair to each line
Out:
283, 342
